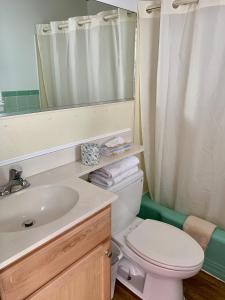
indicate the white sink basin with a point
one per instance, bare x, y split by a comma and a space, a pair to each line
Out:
35, 207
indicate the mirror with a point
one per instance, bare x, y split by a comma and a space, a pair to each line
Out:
64, 53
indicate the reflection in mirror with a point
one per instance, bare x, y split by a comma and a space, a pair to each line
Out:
57, 54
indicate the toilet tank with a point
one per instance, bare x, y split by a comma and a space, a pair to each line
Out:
125, 209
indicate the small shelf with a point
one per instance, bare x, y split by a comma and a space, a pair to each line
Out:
81, 169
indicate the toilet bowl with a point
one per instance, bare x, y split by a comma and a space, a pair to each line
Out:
166, 254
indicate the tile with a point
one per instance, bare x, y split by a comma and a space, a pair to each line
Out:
9, 93
22, 93
34, 101
22, 102
34, 92
10, 101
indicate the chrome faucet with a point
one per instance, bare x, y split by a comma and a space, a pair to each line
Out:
16, 182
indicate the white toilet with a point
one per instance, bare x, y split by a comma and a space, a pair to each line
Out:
157, 256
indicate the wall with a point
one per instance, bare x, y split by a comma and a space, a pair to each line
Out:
40, 134
131, 5
126, 4
94, 7
17, 19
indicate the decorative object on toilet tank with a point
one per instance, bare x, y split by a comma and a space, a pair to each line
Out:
90, 154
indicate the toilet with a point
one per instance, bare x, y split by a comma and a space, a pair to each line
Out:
156, 256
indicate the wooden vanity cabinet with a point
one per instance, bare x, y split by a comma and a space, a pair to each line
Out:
86, 279
73, 266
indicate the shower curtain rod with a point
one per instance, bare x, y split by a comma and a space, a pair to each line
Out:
175, 4
82, 22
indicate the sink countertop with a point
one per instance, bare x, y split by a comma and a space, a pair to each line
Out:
14, 245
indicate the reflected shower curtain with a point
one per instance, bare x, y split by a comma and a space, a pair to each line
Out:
86, 60
182, 94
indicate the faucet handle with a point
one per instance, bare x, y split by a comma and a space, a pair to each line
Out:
15, 173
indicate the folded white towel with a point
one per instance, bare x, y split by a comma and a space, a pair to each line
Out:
109, 151
114, 142
108, 182
124, 175
117, 168
98, 179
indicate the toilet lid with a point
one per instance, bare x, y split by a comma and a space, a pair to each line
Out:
165, 245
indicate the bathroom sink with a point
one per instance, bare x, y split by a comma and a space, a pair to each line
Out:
35, 207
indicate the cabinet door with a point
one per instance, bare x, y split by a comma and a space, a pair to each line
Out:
87, 279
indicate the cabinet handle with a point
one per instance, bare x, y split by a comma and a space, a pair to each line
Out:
108, 253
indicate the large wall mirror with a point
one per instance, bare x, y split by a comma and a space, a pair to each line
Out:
64, 53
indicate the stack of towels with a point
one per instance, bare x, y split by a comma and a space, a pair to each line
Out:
115, 146
115, 173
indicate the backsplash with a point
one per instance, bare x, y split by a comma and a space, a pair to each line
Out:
48, 161
20, 101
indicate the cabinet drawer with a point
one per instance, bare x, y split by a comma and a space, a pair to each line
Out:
37, 268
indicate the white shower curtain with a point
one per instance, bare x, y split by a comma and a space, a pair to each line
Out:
87, 59
182, 94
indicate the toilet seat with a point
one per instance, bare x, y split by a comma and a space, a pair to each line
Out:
165, 246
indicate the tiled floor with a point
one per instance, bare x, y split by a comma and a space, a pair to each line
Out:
200, 287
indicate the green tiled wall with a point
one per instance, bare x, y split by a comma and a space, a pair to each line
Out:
20, 101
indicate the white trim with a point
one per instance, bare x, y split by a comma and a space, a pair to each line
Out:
60, 147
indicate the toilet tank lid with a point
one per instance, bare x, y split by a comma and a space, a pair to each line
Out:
129, 180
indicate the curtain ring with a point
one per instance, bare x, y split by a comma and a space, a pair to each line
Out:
152, 8
45, 30
63, 26
83, 22
110, 17
177, 3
